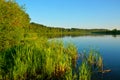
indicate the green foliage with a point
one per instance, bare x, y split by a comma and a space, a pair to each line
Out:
59, 32
11, 38
95, 60
42, 59
12, 15
108, 32
100, 64
13, 21
92, 63
85, 72
37, 60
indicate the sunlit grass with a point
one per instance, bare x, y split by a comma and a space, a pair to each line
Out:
85, 71
42, 59
37, 60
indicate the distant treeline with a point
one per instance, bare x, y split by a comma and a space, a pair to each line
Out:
112, 32
56, 31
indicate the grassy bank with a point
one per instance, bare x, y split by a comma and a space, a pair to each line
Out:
46, 60
37, 59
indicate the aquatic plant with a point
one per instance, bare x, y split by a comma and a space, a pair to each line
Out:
85, 71
100, 63
92, 63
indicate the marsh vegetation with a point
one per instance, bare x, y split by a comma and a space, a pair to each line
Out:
41, 59
26, 53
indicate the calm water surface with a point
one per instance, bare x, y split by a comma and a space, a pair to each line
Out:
109, 47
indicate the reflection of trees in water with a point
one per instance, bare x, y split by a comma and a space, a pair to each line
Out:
114, 35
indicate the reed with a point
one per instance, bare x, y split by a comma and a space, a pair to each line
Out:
100, 63
37, 60
92, 63
85, 71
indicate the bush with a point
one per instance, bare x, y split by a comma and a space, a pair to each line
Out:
13, 20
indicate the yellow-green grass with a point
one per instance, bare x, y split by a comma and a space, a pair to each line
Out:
37, 59
45, 60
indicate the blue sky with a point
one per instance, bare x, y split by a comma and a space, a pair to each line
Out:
74, 13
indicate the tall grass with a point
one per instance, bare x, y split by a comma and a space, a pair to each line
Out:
46, 60
37, 60
85, 71
92, 63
